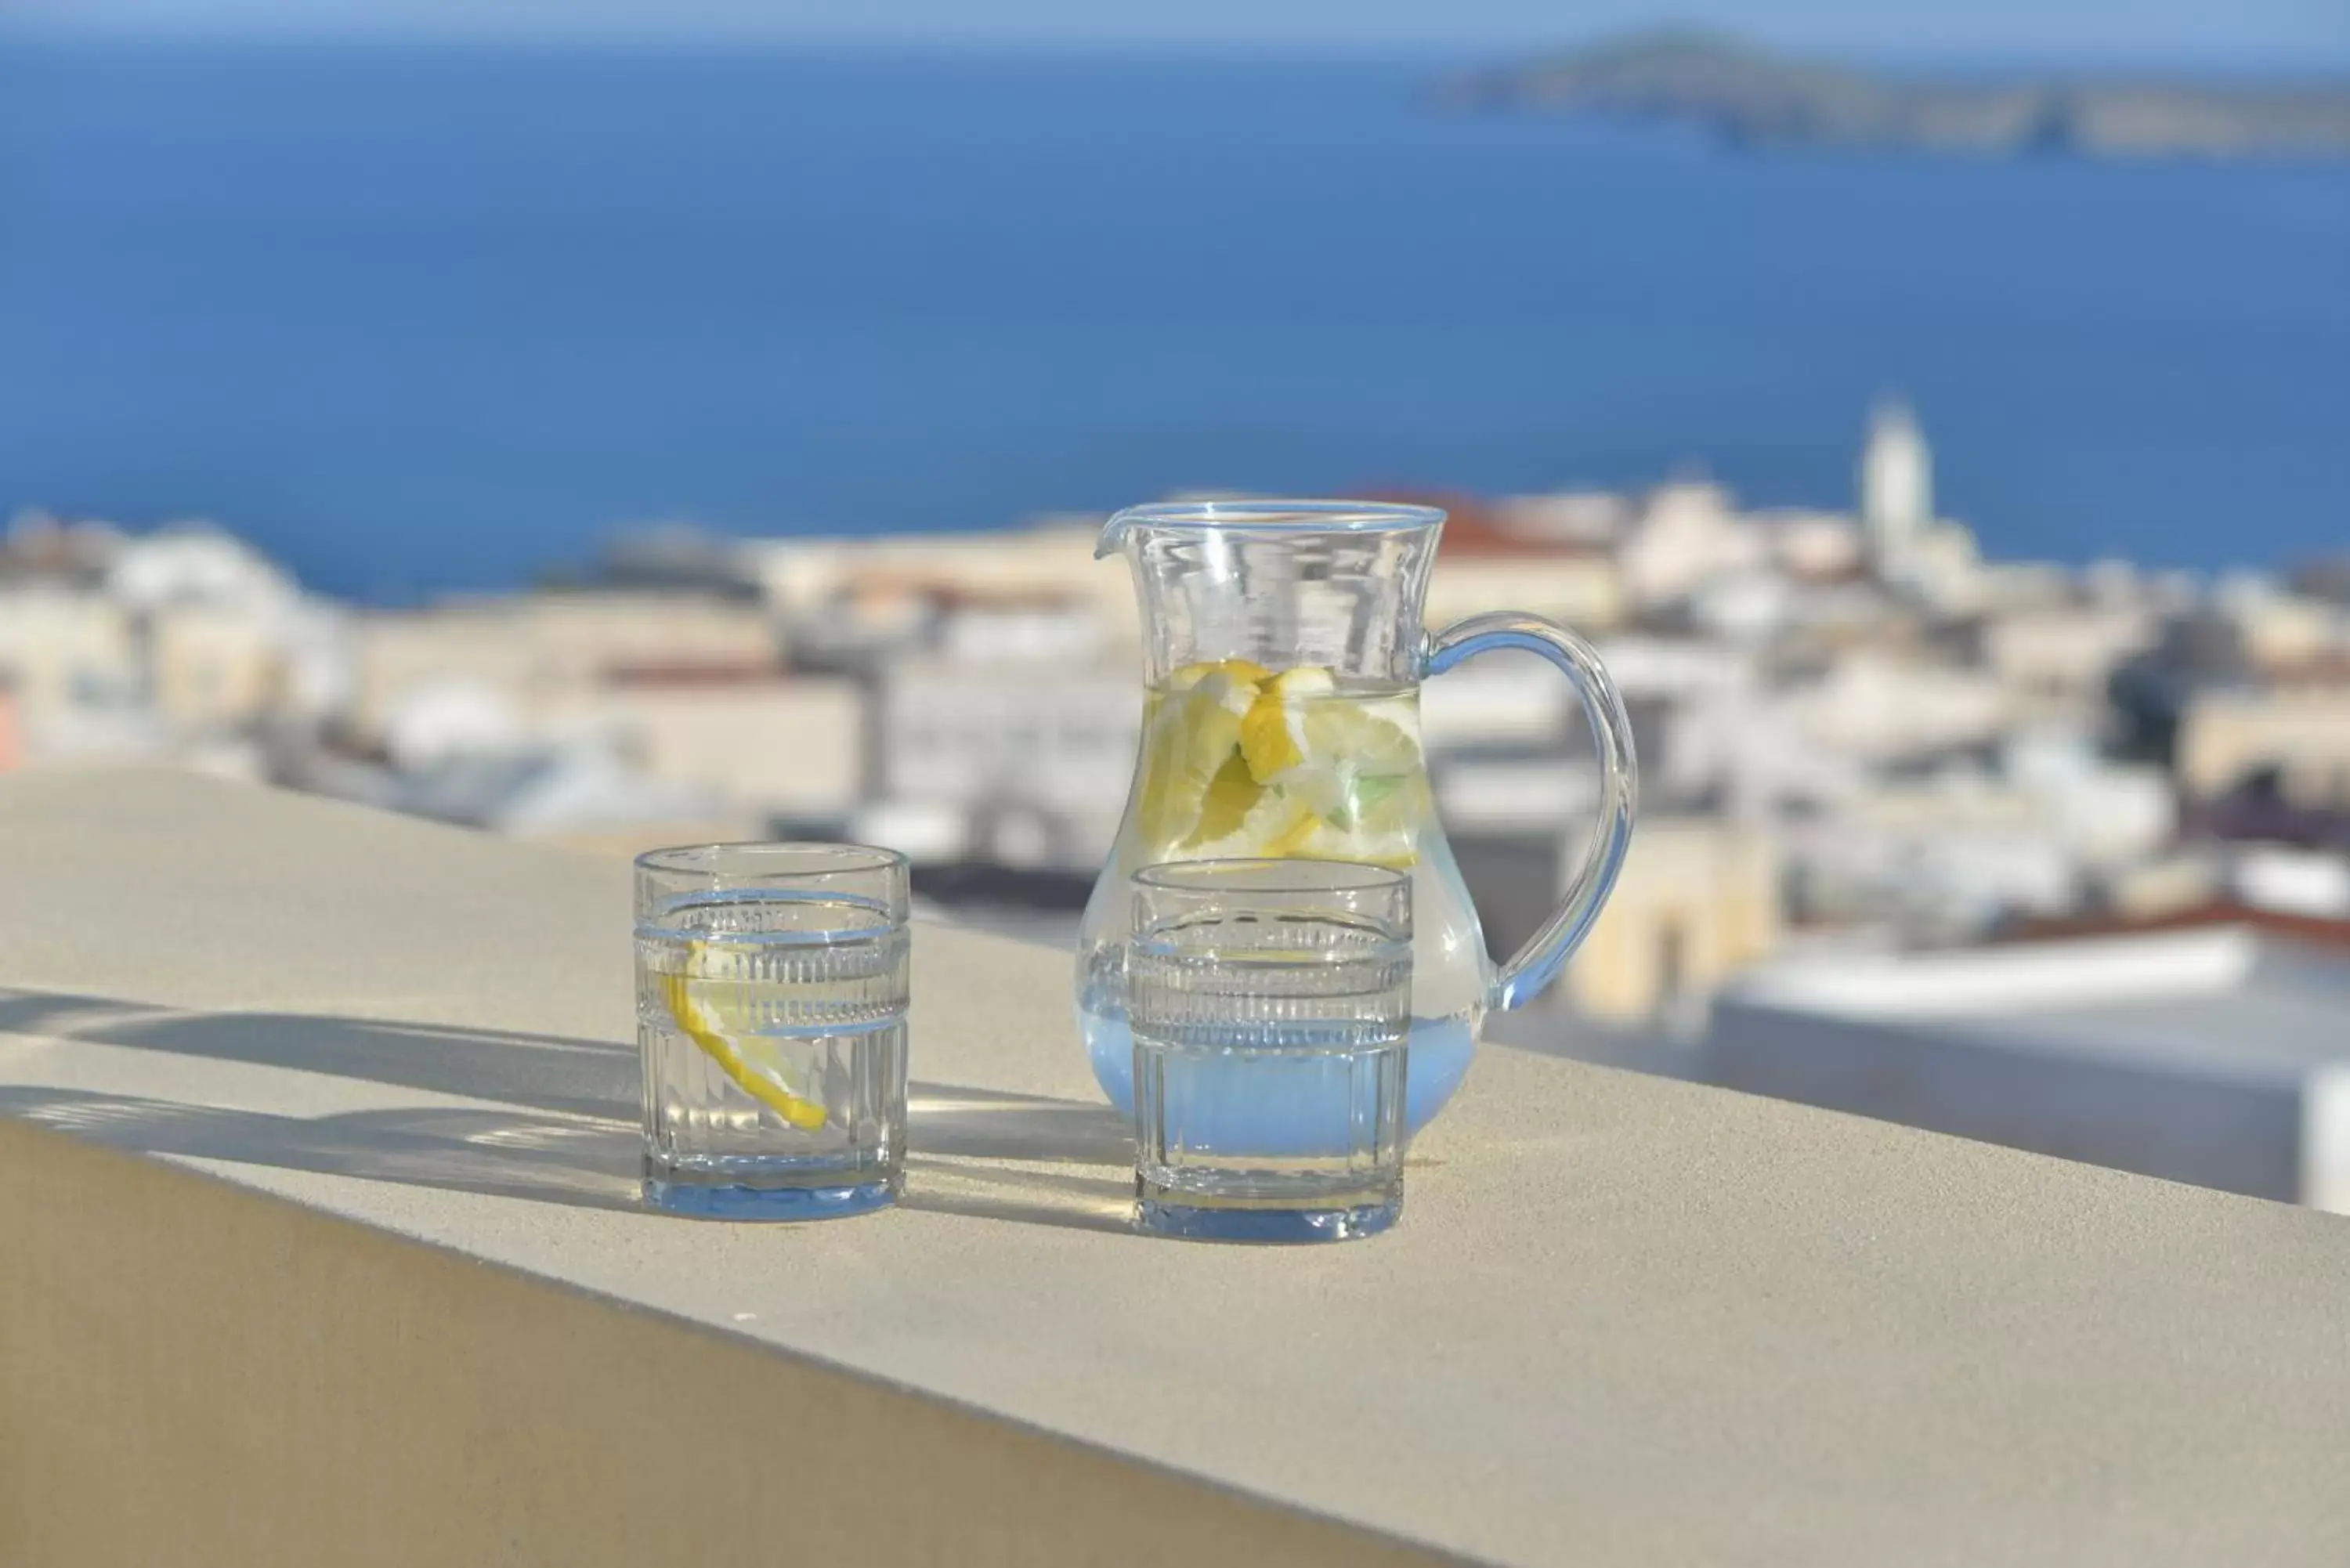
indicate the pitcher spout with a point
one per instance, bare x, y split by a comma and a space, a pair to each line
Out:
1113, 535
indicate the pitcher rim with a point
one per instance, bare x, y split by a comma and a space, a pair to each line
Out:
1271, 515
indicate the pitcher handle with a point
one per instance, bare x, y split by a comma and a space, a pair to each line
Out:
1537, 963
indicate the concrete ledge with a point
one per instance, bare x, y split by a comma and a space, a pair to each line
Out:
193, 1374
255, 1048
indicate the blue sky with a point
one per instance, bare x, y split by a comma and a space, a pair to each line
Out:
2307, 32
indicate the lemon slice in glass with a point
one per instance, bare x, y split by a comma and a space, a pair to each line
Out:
715, 1001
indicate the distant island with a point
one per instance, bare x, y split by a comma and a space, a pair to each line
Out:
1751, 97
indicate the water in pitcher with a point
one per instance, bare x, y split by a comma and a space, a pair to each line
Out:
1242, 761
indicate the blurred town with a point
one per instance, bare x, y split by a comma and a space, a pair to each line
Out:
2079, 837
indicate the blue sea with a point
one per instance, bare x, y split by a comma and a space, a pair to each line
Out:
421, 318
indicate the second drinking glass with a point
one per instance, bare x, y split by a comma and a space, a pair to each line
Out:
1271, 1003
771, 1011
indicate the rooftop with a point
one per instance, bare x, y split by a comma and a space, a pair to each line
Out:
2188, 993
256, 1048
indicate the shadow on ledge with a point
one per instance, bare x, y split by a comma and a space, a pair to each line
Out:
596, 1079
591, 1163
566, 1126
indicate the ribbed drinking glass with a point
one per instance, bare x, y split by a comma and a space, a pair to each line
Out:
1271, 1005
771, 1011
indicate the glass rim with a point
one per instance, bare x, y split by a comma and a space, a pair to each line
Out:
771, 860
1213, 876
1270, 516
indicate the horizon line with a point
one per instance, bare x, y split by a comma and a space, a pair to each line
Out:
2187, 60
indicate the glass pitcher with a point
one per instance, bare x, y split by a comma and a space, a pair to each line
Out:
1282, 651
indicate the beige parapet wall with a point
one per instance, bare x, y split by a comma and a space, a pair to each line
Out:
194, 1375
319, 1245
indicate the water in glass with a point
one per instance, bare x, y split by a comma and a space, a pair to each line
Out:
1271, 1043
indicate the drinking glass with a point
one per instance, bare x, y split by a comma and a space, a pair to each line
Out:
771, 1014
1271, 1007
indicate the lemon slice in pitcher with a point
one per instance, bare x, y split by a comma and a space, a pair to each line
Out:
1194, 731
1270, 734
1299, 721
715, 1004
1347, 770
1246, 820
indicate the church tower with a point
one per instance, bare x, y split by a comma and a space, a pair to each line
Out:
1896, 488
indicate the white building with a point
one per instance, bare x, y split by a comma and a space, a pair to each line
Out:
2301, 733
1949, 853
1517, 704
1043, 752
2274, 631
2213, 1055
1697, 903
550, 655
1594, 519
435, 722
1688, 534
766, 746
2055, 658
196, 564
61, 649
1819, 546
1881, 706
811, 577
